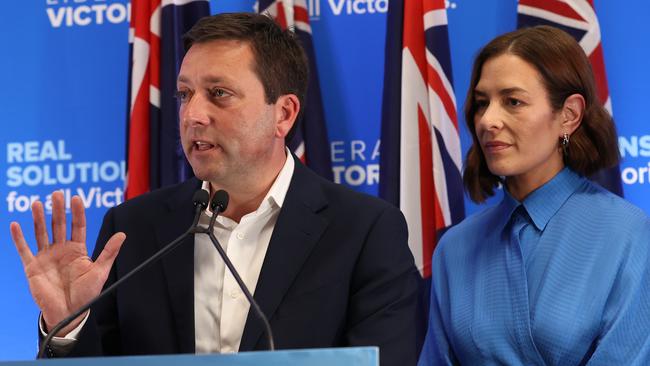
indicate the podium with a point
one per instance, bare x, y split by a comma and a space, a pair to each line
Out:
353, 356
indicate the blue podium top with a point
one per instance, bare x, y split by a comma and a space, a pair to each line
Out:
354, 356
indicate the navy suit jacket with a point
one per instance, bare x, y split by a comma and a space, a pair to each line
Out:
337, 272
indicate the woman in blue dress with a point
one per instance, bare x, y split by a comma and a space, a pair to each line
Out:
558, 272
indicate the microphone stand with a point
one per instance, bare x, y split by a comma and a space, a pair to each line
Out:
218, 207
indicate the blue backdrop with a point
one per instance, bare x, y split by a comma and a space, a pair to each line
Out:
63, 100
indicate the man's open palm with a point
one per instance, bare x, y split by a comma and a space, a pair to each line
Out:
61, 276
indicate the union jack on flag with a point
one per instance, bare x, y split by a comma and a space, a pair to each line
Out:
154, 154
578, 18
420, 145
310, 142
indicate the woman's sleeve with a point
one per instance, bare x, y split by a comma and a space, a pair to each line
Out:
625, 336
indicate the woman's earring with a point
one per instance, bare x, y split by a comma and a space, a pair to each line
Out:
564, 141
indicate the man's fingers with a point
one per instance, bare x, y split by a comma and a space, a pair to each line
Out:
24, 252
108, 254
58, 218
78, 220
40, 229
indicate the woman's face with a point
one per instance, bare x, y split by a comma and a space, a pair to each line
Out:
515, 124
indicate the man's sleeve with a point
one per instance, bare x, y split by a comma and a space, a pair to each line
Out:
437, 348
384, 292
59, 346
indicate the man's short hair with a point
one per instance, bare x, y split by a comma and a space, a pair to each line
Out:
279, 60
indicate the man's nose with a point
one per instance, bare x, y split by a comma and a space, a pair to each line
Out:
195, 110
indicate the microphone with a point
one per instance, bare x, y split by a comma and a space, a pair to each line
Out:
218, 204
200, 200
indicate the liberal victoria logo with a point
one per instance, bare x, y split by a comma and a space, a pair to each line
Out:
347, 7
355, 7
74, 13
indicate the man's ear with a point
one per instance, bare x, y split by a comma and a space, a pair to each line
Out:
572, 113
286, 111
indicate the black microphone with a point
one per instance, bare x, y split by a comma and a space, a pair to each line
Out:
218, 204
200, 200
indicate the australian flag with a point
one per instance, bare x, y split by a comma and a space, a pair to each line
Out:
420, 144
310, 142
154, 154
578, 18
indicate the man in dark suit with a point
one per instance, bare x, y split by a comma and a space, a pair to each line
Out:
328, 266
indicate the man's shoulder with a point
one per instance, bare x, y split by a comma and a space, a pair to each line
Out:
346, 196
341, 197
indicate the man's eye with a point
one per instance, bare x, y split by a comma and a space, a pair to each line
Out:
217, 93
182, 95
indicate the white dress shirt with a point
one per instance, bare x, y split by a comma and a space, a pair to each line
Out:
215, 290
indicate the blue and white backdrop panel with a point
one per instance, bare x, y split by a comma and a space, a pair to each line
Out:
63, 103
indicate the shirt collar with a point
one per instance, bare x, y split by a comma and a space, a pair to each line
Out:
505, 209
278, 190
545, 201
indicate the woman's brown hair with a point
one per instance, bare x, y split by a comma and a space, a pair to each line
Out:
565, 70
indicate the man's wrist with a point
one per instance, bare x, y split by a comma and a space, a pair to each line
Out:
70, 336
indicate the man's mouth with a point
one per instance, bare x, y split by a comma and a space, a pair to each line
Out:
202, 145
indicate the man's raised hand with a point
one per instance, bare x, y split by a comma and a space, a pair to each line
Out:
61, 276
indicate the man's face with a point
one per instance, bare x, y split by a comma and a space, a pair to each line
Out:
227, 129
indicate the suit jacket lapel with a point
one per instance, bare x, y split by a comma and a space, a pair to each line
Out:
178, 266
296, 232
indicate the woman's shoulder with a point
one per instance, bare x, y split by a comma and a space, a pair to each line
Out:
603, 218
592, 201
465, 235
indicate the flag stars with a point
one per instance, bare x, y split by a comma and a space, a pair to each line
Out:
450, 4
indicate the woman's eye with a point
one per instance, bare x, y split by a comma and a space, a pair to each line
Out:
481, 104
514, 102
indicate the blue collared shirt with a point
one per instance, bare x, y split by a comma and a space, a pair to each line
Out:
561, 278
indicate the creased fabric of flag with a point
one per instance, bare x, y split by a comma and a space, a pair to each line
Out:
578, 18
310, 142
420, 154
154, 153
420, 145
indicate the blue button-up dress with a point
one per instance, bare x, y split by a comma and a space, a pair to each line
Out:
561, 278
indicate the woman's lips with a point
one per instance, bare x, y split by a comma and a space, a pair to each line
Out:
495, 146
